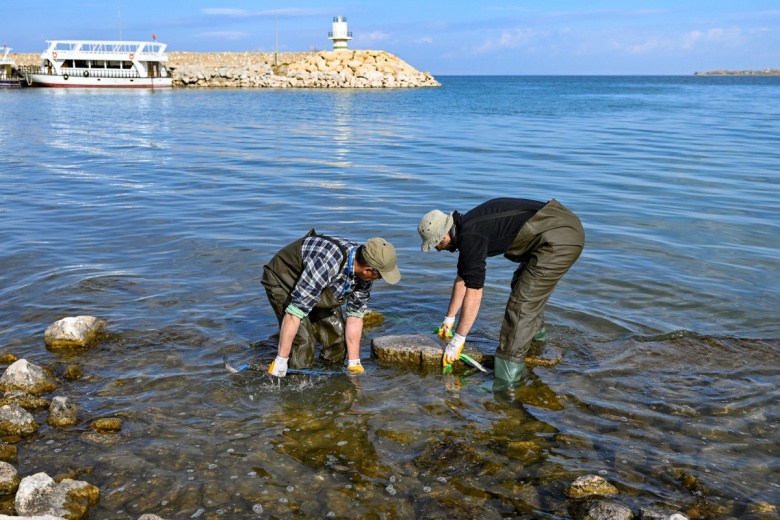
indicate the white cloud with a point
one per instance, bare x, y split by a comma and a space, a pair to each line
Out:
424, 41
375, 36
226, 12
509, 40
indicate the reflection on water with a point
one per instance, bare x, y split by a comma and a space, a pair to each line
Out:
159, 222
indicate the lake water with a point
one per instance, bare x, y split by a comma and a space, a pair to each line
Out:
157, 210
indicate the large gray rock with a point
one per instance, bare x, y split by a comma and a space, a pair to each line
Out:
25, 376
73, 332
39, 495
15, 420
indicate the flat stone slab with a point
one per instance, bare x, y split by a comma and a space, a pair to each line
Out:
425, 351
418, 350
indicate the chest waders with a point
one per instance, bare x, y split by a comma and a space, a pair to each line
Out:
325, 322
546, 247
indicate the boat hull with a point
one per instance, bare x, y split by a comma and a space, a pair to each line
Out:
10, 83
76, 81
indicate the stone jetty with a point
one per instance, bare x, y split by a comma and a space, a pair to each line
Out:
324, 69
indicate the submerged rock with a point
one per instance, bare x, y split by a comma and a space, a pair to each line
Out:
107, 425
449, 457
73, 332
591, 485
599, 510
25, 400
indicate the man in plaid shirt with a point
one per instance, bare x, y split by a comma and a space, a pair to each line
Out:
308, 281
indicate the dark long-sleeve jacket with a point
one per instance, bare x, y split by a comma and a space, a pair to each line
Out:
488, 230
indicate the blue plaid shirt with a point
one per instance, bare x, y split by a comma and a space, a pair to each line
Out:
321, 261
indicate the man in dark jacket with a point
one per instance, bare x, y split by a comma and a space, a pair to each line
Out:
544, 238
308, 281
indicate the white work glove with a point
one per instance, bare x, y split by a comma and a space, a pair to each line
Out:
278, 367
445, 329
453, 350
355, 366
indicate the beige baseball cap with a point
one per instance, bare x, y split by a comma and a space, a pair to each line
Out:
380, 254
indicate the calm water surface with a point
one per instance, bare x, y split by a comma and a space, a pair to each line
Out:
157, 210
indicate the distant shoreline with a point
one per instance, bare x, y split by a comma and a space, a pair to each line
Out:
762, 72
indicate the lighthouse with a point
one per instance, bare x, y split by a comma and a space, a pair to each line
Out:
340, 35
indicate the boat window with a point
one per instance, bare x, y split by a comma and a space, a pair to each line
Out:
113, 65
83, 64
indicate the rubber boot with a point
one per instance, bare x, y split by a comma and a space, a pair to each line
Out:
541, 336
508, 374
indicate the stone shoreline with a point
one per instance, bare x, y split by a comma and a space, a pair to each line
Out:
325, 69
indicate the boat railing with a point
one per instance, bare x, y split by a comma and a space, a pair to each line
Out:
65, 48
85, 72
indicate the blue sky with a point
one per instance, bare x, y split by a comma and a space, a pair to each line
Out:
444, 37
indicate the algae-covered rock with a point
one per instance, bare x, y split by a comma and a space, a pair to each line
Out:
15, 420
39, 494
591, 485
63, 412
73, 332
107, 425
27, 377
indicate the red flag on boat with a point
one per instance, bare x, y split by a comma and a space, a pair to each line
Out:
154, 37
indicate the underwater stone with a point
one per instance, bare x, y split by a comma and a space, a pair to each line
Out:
591, 485
25, 400
107, 425
598, 510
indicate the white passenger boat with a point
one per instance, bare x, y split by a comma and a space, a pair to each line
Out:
101, 64
8, 75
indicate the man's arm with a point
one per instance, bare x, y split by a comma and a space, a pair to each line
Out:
456, 300
353, 331
289, 328
471, 301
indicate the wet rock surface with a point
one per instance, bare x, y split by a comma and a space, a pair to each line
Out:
591, 485
39, 494
449, 457
15, 420
27, 377
63, 412
73, 332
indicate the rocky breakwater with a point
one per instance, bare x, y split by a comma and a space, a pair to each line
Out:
326, 69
